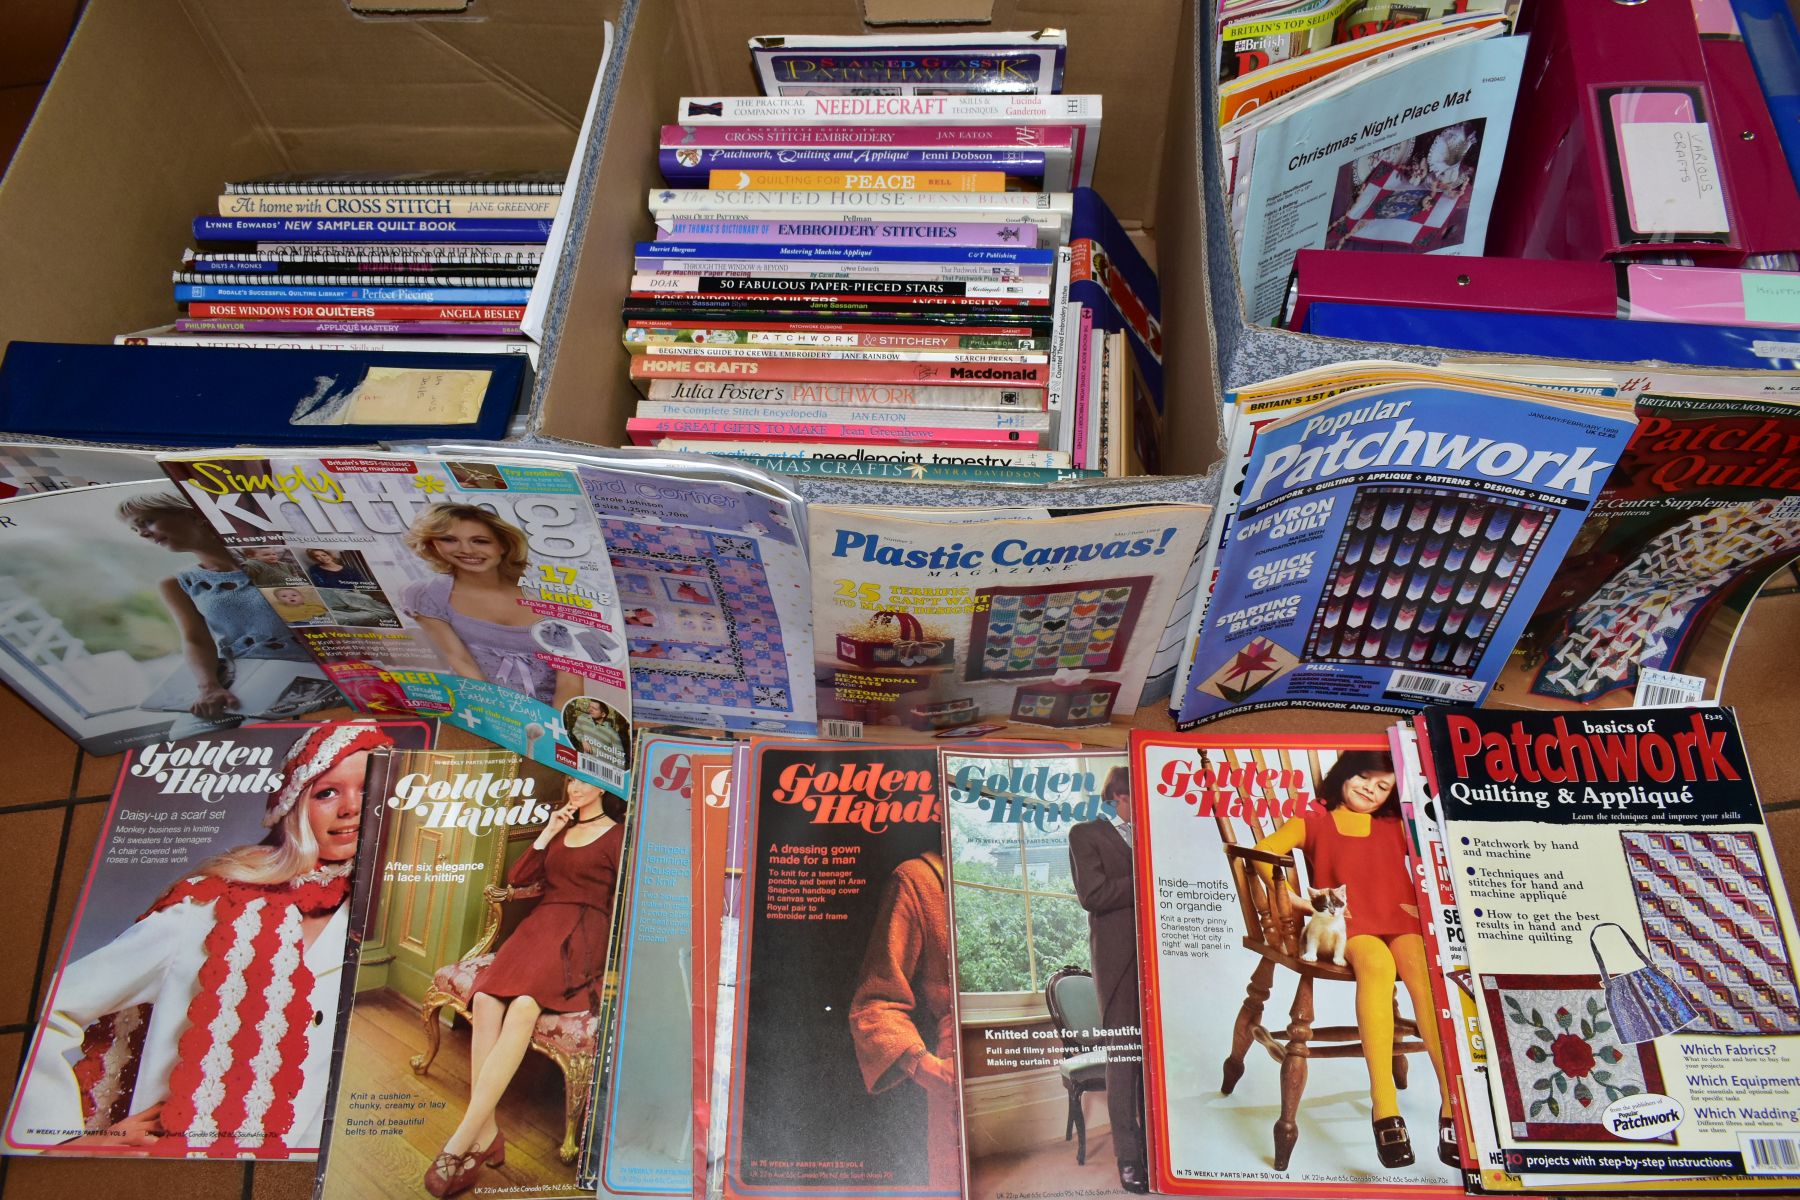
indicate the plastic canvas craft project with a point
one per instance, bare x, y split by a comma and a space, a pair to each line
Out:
1711, 925
1559, 1059
1028, 631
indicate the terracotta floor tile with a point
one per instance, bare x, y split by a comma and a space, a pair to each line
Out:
84, 833
285, 1181
73, 1178
32, 840
40, 760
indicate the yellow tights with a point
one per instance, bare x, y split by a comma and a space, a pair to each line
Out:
1377, 962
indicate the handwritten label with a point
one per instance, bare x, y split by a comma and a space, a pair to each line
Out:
1672, 177
405, 396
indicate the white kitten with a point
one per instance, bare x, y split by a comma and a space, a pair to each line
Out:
1326, 932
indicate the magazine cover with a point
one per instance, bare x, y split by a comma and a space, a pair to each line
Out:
1406, 161
844, 1067
721, 1037
644, 1132
216, 906
1279, 865
1702, 509
1027, 628
1632, 943
1044, 939
483, 925
126, 619
1388, 546
712, 823
478, 591
49, 466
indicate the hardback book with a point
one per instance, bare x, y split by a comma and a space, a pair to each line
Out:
1631, 942
1279, 865
193, 1011
478, 590
125, 619
844, 1058
482, 922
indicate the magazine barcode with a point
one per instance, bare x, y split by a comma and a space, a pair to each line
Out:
840, 729
1652, 697
604, 772
1423, 685
1770, 1155
1661, 689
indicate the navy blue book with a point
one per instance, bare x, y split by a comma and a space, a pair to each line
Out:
1593, 338
370, 229
1774, 44
190, 396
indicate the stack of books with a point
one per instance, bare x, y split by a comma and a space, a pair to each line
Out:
925, 278
440, 261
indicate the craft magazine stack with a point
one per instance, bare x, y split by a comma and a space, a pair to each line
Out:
838, 791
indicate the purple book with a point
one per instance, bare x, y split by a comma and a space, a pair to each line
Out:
891, 137
922, 232
690, 166
362, 328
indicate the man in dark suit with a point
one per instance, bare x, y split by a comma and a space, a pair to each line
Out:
1100, 858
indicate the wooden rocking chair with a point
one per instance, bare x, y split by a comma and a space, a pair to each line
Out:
1278, 942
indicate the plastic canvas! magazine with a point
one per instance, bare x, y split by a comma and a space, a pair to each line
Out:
475, 590
194, 1011
1015, 628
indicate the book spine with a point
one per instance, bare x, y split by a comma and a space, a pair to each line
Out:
829, 255
349, 312
224, 264
864, 232
644, 431
814, 310
265, 341
893, 137
428, 183
927, 456
1032, 375
844, 467
291, 279
873, 418
431, 252
693, 167
398, 329
985, 206
837, 354
1082, 452
842, 269
369, 229
845, 395
1062, 109
963, 182
186, 292
683, 284
640, 335
343, 205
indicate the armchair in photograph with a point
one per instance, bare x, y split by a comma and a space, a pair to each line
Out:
1277, 939
566, 1039
1074, 1003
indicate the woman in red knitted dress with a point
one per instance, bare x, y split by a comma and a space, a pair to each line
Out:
1357, 841
553, 962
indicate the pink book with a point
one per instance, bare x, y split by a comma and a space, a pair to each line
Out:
645, 431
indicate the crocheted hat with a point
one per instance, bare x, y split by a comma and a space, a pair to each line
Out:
318, 752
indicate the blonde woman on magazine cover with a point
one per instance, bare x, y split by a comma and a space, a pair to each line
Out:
553, 962
471, 610
137, 1017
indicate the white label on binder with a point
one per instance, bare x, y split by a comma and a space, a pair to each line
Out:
1672, 177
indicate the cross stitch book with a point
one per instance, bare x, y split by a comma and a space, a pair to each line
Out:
1703, 508
483, 916
1631, 943
478, 590
1284, 972
1015, 628
125, 619
194, 1009
1388, 546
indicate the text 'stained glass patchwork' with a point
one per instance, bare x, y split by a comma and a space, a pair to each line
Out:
1422, 576
1710, 924
701, 624
1559, 1059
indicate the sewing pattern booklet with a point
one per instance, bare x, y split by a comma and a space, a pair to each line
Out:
1040, 884
1016, 628
1389, 545
125, 620
475, 590
1632, 944
197, 877
456, 898
844, 1060
1406, 161
1214, 937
